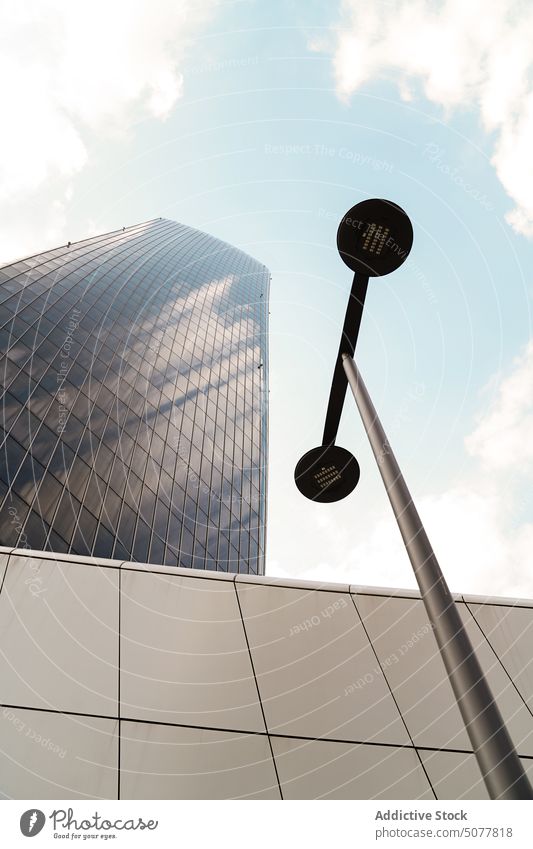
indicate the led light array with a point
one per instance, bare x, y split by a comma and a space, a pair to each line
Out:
375, 238
326, 476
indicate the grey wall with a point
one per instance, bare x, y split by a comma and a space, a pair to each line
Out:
152, 682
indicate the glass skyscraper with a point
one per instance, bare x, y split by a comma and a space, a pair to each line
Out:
134, 400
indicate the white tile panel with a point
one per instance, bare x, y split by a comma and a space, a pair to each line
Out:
59, 636
184, 572
322, 769
454, 775
294, 583
517, 717
49, 756
169, 762
498, 600
65, 558
184, 657
510, 632
4, 559
410, 658
393, 592
310, 651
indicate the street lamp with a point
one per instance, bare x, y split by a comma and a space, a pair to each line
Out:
374, 238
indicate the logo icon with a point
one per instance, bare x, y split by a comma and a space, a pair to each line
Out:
32, 822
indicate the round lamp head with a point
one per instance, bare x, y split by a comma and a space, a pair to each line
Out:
327, 473
375, 237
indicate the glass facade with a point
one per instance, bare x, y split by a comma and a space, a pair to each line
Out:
134, 404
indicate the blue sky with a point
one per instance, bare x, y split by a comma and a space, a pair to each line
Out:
262, 124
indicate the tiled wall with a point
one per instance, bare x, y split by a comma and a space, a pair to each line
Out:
123, 679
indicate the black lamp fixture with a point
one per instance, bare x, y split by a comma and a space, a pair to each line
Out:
373, 239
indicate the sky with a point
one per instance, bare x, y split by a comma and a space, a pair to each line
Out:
263, 124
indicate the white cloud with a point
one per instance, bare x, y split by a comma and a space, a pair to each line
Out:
502, 440
471, 54
479, 547
72, 72
481, 528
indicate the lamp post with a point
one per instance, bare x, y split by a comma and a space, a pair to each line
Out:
374, 238
379, 245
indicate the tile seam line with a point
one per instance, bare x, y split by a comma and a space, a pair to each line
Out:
5, 572
400, 714
244, 732
498, 658
257, 688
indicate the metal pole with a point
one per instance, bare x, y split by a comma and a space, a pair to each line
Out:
350, 332
498, 761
